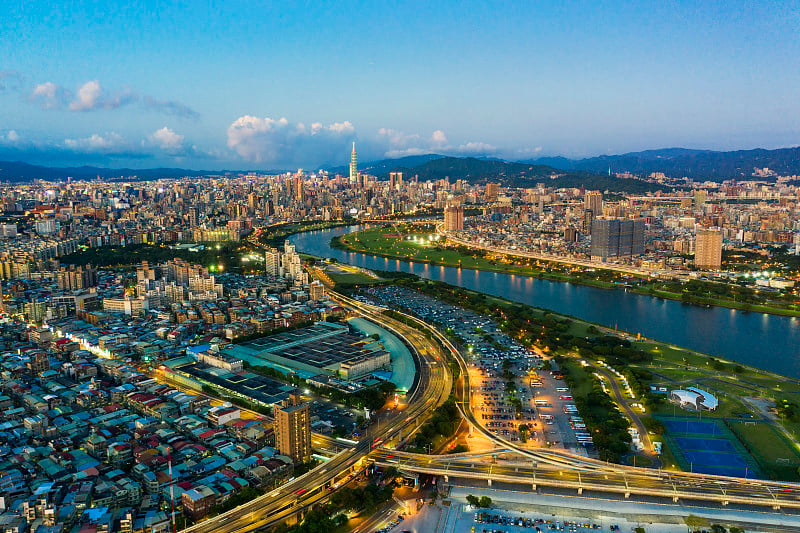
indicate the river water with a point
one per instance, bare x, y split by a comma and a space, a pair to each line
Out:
761, 340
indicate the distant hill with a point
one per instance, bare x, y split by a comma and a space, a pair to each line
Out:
16, 171
680, 162
516, 174
384, 166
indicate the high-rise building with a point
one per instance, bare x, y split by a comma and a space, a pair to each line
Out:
492, 191
73, 278
395, 181
708, 250
593, 201
293, 429
316, 290
593, 207
272, 259
616, 237
353, 166
453, 218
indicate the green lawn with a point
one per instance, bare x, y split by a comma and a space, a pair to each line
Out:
353, 279
773, 453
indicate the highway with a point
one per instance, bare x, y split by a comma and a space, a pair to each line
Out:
672, 485
433, 388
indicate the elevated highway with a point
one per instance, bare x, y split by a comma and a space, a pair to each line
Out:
629, 482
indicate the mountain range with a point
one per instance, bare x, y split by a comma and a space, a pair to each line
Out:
680, 162
592, 172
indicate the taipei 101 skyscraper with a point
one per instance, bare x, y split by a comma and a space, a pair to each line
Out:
353, 166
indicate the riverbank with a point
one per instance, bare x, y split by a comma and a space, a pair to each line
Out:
424, 248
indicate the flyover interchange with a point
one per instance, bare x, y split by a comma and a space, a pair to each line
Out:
537, 468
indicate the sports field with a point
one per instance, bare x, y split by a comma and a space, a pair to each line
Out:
708, 447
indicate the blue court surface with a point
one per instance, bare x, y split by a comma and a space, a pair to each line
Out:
730, 460
693, 426
708, 447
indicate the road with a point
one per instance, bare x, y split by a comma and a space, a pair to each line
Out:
311, 488
677, 486
622, 401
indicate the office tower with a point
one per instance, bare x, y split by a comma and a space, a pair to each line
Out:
453, 218
353, 165
570, 234
492, 191
272, 259
593, 201
615, 237
293, 429
395, 181
708, 250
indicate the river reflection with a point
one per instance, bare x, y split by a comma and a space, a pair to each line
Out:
765, 341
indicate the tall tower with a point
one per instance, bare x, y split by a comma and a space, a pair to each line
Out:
293, 429
353, 165
708, 250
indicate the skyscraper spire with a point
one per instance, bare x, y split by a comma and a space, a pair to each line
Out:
353, 165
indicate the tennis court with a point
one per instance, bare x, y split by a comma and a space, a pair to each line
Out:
708, 447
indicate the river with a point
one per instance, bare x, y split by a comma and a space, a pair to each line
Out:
769, 342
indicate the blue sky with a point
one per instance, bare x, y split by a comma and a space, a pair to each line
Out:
229, 84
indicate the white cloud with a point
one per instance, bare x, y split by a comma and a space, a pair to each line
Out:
277, 141
109, 143
400, 144
341, 128
91, 97
167, 140
48, 95
87, 97
476, 148
11, 137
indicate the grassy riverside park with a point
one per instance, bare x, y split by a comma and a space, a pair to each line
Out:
420, 243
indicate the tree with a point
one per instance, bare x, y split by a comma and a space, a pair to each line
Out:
735, 529
523, 432
485, 501
716, 528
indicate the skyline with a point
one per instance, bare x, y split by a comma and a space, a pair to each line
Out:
240, 87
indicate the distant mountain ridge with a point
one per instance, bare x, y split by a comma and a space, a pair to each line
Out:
674, 162
18, 171
680, 162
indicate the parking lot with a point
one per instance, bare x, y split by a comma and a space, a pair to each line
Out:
461, 518
509, 387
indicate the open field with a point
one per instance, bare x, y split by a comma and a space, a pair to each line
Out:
774, 454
